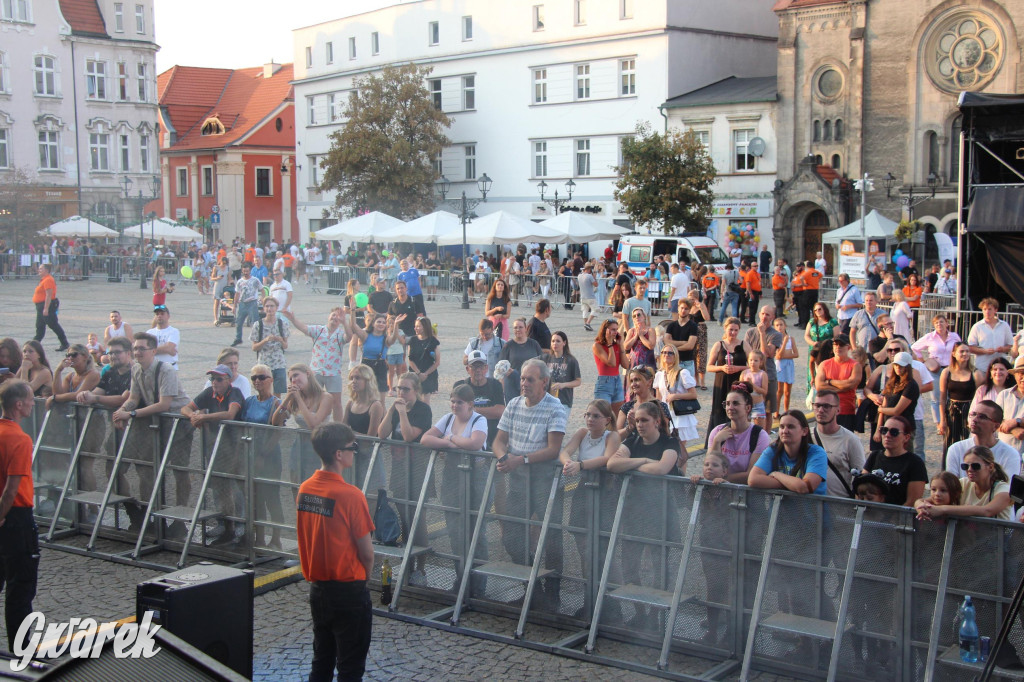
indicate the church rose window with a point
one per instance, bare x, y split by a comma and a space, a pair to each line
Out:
964, 51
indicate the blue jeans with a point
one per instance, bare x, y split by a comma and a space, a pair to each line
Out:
609, 388
731, 297
935, 395
342, 621
247, 310
689, 366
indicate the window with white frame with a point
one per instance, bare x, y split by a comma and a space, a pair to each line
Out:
623, 141
583, 81
5, 73
627, 77
467, 28
311, 110
264, 229
540, 86
49, 147
140, 74
119, 17
140, 19
207, 181
264, 186
625, 9
705, 138
579, 12
329, 49
434, 86
99, 151
540, 159
352, 48
538, 17
5, 155
314, 171
122, 82
468, 93
144, 153
125, 153
375, 43
433, 33
45, 71
16, 10
95, 79
181, 174
745, 161
582, 157
309, 57
470, 150
438, 163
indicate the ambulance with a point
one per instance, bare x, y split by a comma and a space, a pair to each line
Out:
639, 251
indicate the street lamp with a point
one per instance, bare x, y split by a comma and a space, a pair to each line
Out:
556, 202
908, 200
464, 206
140, 202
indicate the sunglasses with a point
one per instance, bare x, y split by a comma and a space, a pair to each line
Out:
159, 308
973, 466
72, 355
354, 448
259, 377
886, 431
893, 351
824, 406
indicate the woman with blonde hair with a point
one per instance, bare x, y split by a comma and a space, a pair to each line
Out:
985, 490
260, 408
365, 408
307, 401
160, 286
673, 382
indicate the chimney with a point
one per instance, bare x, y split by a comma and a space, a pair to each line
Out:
270, 69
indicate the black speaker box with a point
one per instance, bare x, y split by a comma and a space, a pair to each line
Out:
209, 607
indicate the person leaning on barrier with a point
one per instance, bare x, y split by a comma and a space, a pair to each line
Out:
844, 450
983, 421
83, 375
739, 439
220, 402
986, 490
489, 397
792, 462
35, 369
530, 433
902, 470
155, 389
333, 526
19, 537
260, 408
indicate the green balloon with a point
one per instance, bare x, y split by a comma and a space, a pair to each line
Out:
186, 272
385, 253
266, 291
361, 300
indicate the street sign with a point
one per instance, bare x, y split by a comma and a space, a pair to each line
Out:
215, 210
215, 219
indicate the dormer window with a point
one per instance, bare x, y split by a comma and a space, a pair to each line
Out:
213, 126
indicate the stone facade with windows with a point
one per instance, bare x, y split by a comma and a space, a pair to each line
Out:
90, 61
872, 88
538, 91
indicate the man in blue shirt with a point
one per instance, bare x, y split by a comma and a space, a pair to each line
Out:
260, 272
411, 277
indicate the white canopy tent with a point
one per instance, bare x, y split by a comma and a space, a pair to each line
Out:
425, 229
580, 228
364, 228
876, 226
77, 226
850, 258
500, 227
163, 228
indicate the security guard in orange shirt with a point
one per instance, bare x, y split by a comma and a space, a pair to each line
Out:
812, 280
779, 283
799, 288
711, 282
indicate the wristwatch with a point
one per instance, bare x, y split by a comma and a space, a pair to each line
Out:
132, 413
526, 459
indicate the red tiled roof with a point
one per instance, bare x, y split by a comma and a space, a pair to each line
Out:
84, 16
241, 99
828, 174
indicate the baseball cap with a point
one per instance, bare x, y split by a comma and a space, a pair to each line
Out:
476, 356
223, 370
160, 309
841, 340
902, 359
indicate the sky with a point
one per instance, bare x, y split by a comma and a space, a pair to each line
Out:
240, 33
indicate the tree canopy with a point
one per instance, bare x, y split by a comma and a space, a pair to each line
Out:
382, 158
665, 180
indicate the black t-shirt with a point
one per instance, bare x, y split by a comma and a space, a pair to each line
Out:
207, 400
683, 332
419, 416
432, 264
638, 449
539, 332
898, 473
933, 279
488, 395
408, 308
563, 370
380, 301
422, 352
908, 271
911, 392
518, 353
114, 383
353, 258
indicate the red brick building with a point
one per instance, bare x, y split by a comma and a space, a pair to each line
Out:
227, 150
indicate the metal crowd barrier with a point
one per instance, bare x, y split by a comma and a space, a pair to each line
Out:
654, 574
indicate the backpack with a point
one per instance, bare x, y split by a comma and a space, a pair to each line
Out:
474, 343
259, 326
388, 527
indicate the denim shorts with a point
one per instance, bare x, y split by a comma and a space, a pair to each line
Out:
758, 410
395, 359
330, 382
609, 388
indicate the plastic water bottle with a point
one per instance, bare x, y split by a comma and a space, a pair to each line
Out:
969, 640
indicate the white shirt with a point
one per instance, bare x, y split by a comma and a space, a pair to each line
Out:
737, 255
534, 263
680, 284
1013, 407
986, 336
312, 255
295, 251
820, 264
1005, 455
280, 290
946, 285
113, 332
278, 265
168, 335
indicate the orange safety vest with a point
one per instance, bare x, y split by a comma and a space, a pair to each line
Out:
798, 283
778, 281
711, 281
812, 279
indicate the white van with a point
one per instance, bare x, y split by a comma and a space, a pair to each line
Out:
639, 251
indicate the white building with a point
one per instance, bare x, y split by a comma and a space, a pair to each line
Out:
735, 119
78, 102
538, 91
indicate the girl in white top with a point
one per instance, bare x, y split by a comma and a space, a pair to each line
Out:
673, 382
462, 429
758, 378
594, 443
986, 490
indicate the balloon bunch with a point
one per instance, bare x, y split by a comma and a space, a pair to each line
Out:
743, 234
900, 259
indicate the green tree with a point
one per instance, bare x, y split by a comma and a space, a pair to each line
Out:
382, 158
665, 180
